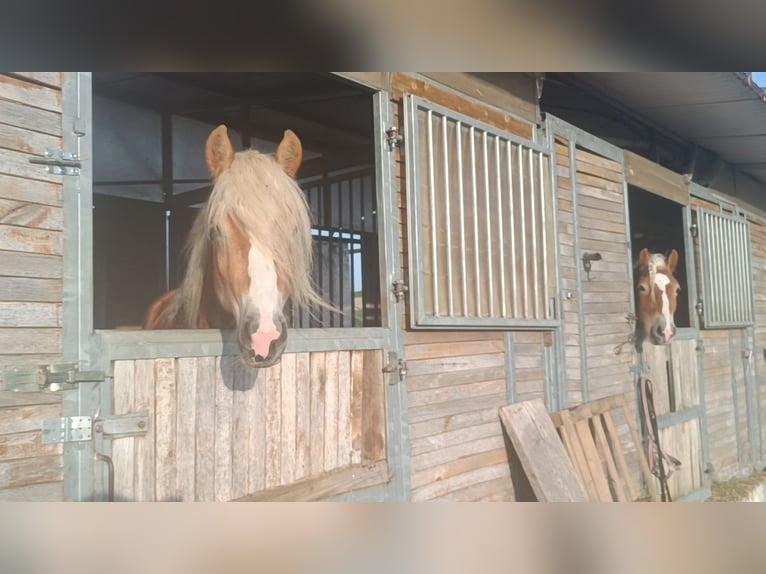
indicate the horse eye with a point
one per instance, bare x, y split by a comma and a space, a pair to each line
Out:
643, 288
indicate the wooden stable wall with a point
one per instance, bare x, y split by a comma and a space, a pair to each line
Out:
30, 278
312, 426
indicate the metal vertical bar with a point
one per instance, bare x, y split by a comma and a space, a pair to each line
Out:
448, 227
501, 225
735, 400
461, 207
544, 230
339, 319
533, 233
352, 247
488, 226
166, 135
578, 272
511, 222
523, 221
475, 225
432, 196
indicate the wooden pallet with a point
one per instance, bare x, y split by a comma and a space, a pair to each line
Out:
590, 436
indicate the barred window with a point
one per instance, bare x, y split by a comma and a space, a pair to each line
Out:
725, 268
481, 229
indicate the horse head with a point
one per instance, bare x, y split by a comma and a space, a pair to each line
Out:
657, 296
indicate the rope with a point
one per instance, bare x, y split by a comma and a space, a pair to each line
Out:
657, 457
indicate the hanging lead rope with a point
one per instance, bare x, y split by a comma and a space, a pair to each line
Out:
657, 457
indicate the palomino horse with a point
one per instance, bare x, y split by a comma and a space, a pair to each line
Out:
657, 296
249, 249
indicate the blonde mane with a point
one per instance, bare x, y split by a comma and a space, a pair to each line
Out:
656, 261
267, 205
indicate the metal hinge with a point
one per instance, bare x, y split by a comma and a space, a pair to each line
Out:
79, 428
48, 378
396, 365
399, 287
58, 162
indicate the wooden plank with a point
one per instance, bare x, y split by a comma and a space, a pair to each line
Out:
28, 240
272, 408
27, 141
357, 380
205, 430
12, 399
317, 376
23, 214
460, 481
326, 485
453, 452
446, 379
22, 265
257, 442
457, 392
52, 79
494, 490
459, 466
145, 458
31, 315
27, 471
29, 118
31, 289
27, 418
656, 179
288, 426
44, 492
302, 415
25, 445
242, 381
615, 481
575, 451
344, 408
641, 457
503, 121
123, 449
453, 349
30, 191
331, 411
620, 455
541, 452
165, 401
29, 93
223, 425
186, 427
17, 164
373, 408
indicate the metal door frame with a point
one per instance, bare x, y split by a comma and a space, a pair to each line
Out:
85, 478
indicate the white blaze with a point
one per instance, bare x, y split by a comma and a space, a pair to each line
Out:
662, 281
264, 296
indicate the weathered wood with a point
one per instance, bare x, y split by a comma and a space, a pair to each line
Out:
459, 466
52, 79
123, 449
357, 381
331, 412
373, 408
656, 179
272, 404
166, 429
12, 399
318, 377
27, 418
26, 471
43, 492
451, 453
222, 442
25, 445
23, 214
144, 400
494, 490
30, 93
541, 453
302, 415
326, 485
17, 164
288, 413
31, 315
243, 415
22, 265
186, 425
460, 481
205, 430
257, 443
26, 117
29, 240
31, 289
344, 409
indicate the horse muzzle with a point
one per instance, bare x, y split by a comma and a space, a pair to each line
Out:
261, 343
661, 333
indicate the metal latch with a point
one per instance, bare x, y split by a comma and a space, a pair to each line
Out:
399, 288
66, 429
393, 139
395, 364
119, 426
49, 377
58, 162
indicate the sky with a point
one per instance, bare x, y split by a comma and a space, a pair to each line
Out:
759, 78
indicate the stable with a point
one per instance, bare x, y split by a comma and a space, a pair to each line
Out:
477, 234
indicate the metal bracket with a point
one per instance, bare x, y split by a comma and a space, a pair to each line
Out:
119, 426
49, 377
66, 429
393, 139
59, 163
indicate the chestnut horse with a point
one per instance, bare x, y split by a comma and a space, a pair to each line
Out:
249, 249
657, 296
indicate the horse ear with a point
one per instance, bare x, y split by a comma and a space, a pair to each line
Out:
289, 154
672, 260
219, 153
643, 258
